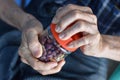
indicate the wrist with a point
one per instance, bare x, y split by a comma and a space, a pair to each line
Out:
30, 21
104, 46
26, 19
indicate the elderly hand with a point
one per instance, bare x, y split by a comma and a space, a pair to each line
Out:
84, 21
31, 49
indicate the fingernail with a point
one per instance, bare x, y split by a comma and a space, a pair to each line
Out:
70, 45
57, 29
36, 52
61, 36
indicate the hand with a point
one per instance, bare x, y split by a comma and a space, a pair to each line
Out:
31, 49
84, 21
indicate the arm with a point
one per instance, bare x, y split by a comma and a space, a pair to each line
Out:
92, 43
12, 14
111, 47
31, 28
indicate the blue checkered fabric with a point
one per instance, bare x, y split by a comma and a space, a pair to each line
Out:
78, 66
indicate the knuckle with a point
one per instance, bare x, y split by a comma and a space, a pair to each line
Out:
69, 6
59, 9
76, 13
89, 9
43, 73
94, 18
94, 28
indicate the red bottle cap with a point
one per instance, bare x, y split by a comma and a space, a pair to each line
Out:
64, 43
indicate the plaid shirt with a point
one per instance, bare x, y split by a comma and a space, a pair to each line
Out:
108, 14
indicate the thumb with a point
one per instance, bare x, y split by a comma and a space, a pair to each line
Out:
34, 44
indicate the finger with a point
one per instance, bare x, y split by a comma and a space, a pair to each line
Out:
66, 9
54, 70
79, 26
82, 41
22, 50
35, 63
38, 65
33, 43
24, 41
73, 16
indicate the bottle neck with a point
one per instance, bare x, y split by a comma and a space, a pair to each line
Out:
55, 41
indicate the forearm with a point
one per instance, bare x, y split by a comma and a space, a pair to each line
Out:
12, 14
111, 45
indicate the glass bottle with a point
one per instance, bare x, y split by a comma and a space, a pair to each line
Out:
55, 49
